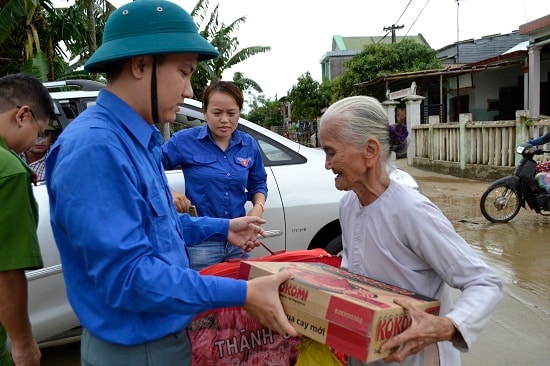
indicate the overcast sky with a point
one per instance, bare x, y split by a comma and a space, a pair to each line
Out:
300, 32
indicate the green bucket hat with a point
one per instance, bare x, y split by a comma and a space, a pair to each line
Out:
149, 27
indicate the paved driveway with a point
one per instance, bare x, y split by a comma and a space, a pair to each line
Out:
519, 331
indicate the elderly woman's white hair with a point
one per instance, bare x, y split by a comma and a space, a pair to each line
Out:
360, 118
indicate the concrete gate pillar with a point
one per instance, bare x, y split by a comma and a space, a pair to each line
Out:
534, 81
412, 103
389, 106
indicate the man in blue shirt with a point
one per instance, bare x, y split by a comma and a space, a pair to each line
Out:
121, 242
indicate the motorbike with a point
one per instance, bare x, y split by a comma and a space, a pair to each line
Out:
504, 198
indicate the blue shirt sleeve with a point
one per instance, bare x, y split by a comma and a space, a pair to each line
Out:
257, 177
198, 229
540, 140
171, 154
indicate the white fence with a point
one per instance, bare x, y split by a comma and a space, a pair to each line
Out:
475, 149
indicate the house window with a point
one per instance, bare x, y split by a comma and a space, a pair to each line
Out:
493, 104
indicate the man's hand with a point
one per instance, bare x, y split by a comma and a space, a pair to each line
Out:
26, 354
243, 232
15, 318
425, 329
263, 303
180, 201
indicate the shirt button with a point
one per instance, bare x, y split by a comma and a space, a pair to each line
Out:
228, 174
227, 193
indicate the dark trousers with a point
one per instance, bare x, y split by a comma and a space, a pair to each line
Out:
172, 350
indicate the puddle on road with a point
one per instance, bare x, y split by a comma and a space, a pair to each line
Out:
519, 251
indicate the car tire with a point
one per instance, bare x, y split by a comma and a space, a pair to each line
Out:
334, 246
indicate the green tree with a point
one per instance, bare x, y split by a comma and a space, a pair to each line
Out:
80, 28
222, 37
383, 59
21, 47
76, 32
325, 90
33, 35
245, 84
307, 98
265, 112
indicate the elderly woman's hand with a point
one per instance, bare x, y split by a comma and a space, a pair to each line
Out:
425, 329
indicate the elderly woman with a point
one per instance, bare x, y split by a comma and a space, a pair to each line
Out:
395, 234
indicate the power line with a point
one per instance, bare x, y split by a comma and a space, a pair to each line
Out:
406, 7
392, 30
388, 30
418, 16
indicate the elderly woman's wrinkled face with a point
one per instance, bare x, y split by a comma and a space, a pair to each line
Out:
343, 158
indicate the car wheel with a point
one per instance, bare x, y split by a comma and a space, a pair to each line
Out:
334, 246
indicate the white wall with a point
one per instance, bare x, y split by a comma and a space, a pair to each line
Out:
486, 86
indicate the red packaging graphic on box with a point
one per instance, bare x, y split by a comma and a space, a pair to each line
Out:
352, 313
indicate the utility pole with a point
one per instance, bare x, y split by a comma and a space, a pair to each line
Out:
393, 28
457, 63
457, 32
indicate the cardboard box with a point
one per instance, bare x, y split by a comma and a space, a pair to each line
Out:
351, 313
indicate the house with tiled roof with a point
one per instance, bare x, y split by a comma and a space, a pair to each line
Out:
488, 78
474, 50
344, 48
502, 77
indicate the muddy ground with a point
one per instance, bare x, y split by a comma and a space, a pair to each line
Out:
519, 251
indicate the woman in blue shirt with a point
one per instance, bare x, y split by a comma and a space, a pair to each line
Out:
223, 169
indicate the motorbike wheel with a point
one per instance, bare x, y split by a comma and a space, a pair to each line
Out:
500, 204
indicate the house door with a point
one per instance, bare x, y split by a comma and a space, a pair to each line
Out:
509, 102
545, 98
464, 107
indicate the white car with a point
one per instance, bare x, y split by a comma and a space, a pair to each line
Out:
301, 209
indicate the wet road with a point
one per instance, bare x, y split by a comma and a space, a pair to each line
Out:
519, 251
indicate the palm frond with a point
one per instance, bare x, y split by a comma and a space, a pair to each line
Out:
37, 66
234, 26
246, 53
10, 17
245, 83
200, 11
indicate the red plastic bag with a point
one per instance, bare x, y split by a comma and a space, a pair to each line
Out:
318, 255
230, 336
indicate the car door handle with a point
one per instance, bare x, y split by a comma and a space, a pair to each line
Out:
271, 233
